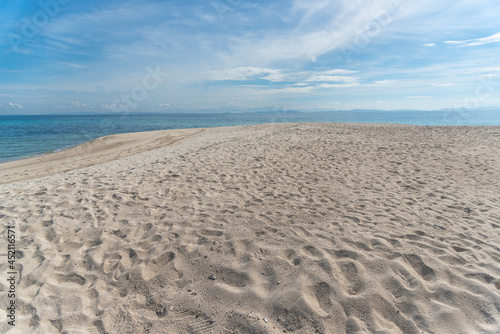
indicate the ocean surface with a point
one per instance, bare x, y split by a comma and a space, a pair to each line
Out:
27, 136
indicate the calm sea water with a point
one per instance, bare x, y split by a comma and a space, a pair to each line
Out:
25, 136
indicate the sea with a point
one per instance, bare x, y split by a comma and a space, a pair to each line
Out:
28, 136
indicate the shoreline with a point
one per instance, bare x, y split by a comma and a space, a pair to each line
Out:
96, 151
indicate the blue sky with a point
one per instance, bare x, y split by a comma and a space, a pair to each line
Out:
63, 56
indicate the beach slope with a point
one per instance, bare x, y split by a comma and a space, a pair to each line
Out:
97, 151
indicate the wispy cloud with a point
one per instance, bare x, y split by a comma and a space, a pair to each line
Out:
476, 41
444, 84
72, 65
299, 90
116, 107
323, 26
332, 78
302, 78
290, 82
338, 71
385, 82
485, 70
10, 106
338, 85
246, 73
73, 106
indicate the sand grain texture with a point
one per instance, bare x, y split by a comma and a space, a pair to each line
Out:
278, 228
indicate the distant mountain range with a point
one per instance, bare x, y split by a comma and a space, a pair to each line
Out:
270, 110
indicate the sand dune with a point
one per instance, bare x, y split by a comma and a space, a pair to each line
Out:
278, 228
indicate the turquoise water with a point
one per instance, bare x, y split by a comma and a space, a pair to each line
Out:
25, 136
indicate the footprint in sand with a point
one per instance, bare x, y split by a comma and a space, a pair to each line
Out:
420, 267
292, 257
193, 322
71, 304
323, 292
111, 262
355, 282
71, 279
211, 233
233, 278
312, 252
243, 324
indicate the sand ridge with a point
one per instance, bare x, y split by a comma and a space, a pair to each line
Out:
297, 228
97, 151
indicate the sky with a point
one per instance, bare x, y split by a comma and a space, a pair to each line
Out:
68, 56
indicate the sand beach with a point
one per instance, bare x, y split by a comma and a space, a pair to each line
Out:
275, 228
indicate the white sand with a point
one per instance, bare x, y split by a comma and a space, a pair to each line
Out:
296, 228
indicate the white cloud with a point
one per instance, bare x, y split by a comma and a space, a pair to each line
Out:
324, 26
430, 44
484, 72
282, 76
325, 85
385, 82
116, 107
302, 90
74, 105
488, 69
444, 84
10, 106
291, 82
334, 78
72, 65
77, 104
379, 102
278, 75
339, 71
476, 41
417, 97
245, 73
